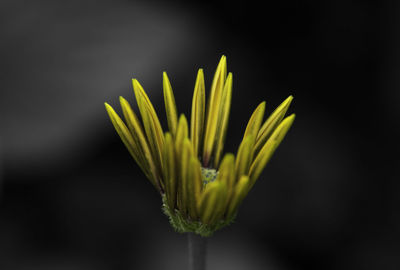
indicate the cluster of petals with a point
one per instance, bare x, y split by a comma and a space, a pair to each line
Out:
178, 162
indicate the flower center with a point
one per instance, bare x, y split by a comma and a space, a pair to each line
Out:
208, 175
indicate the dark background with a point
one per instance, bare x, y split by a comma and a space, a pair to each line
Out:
72, 197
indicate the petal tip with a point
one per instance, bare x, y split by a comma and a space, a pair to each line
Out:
291, 117
135, 82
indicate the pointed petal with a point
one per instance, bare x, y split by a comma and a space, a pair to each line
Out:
169, 170
194, 184
220, 204
256, 118
181, 133
151, 124
207, 201
240, 192
184, 175
198, 112
170, 105
283, 128
226, 174
213, 110
271, 123
138, 135
223, 119
129, 142
244, 156
269, 148
123, 132
212, 200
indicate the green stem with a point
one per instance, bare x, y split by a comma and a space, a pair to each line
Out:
197, 251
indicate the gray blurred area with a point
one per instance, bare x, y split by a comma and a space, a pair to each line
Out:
62, 60
71, 197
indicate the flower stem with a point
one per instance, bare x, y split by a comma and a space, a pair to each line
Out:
197, 251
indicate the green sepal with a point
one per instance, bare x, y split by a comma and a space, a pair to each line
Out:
182, 224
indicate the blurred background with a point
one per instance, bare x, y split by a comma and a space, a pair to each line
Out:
71, 197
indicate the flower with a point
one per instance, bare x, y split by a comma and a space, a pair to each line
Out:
201, 189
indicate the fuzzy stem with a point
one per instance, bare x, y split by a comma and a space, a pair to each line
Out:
197, 251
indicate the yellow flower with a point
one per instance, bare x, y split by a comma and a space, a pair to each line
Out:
201, 189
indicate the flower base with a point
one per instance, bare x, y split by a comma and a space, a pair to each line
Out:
182, 224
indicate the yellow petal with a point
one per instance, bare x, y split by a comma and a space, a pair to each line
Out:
244, 156
123, 132
256, 118
225, 107
240, 192
212, 201
213, 110
169, 170
268, 149
137, 133
282, 129
194, 184
226, 174
181, 133
220, 204
271, 123
151, 123
129, 142
184, 174
170, 105
198, 111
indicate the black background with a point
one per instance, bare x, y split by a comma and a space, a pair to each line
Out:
72, 197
